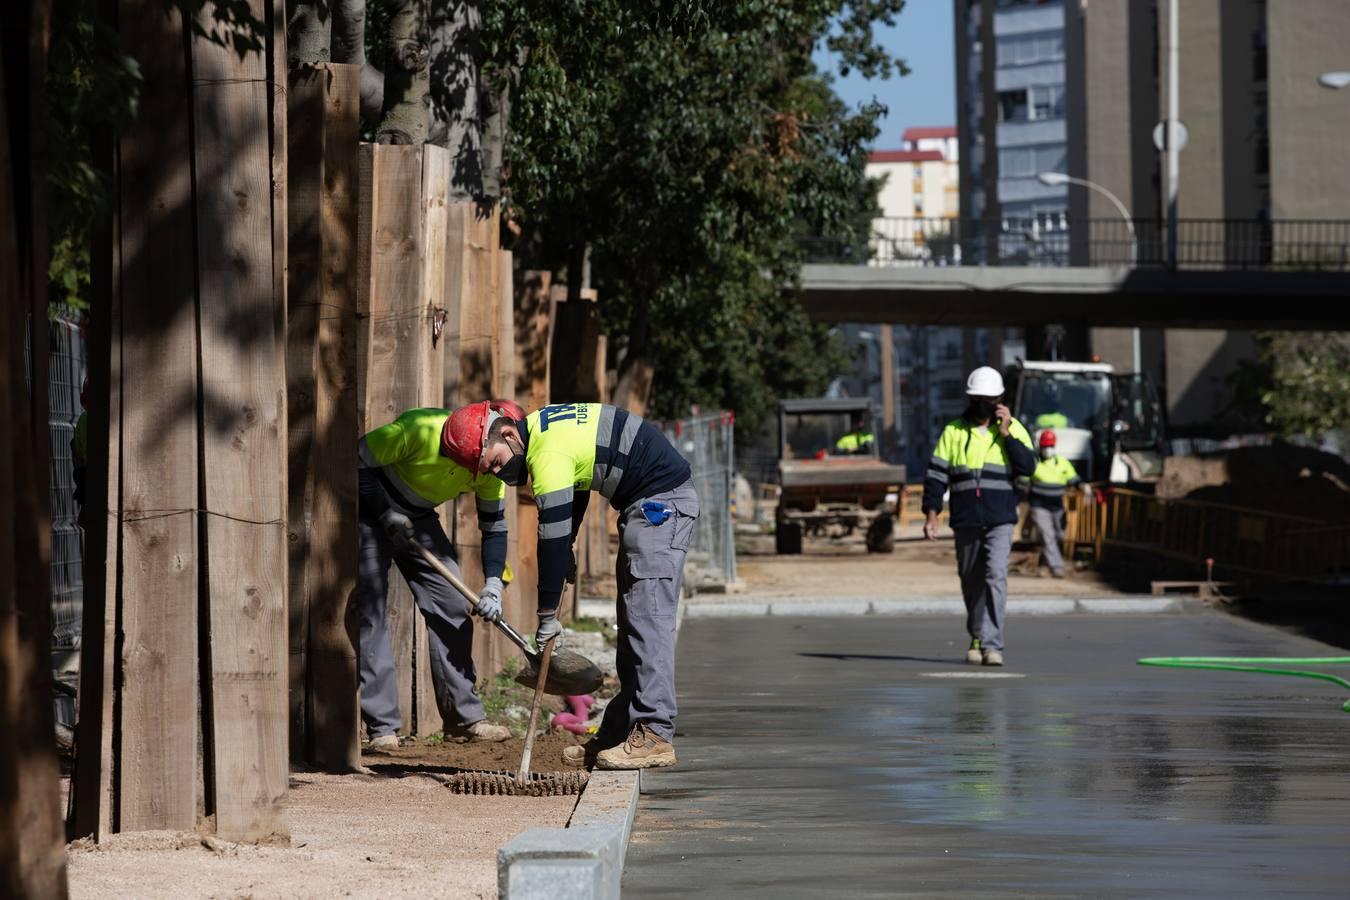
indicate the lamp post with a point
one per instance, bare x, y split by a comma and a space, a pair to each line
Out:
1058, 179
1055, 179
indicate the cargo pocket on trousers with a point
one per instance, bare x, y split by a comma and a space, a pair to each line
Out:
686, 515
649, 547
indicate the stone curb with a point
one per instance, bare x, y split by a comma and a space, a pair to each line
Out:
928, 606
583, 861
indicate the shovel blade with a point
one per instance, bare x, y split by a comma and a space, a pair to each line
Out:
569, 674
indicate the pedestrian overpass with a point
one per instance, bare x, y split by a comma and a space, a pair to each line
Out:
1232, 274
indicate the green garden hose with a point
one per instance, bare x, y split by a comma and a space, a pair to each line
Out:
1257, 664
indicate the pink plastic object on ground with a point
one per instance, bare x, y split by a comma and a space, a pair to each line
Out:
574, 720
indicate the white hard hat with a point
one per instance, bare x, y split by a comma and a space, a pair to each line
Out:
985, 382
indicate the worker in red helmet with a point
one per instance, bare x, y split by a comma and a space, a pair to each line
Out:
570, 450
407, 470
1053, 477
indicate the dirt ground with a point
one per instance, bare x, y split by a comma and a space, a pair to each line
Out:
917, 568
397, 832
450, 757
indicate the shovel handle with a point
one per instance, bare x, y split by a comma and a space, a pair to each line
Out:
459, 585
523, 775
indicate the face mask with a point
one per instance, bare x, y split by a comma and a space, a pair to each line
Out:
513, 471
1047, 452
984, 409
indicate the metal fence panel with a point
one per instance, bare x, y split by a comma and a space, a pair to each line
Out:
707, 442
65, 378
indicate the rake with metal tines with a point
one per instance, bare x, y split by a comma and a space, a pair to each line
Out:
525, 783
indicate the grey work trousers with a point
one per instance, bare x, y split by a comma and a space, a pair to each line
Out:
982, 563
1050, 526
449, 627
650, 573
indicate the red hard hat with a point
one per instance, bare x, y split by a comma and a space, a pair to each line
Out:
465, 433
1047, 438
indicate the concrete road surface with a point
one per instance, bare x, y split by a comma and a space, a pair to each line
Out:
858, 757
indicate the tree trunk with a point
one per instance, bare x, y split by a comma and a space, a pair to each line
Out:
308, 33
632, 389
456, 69
496, 119
349, 47
404, 118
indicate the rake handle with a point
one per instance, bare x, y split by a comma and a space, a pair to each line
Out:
523, 775
457, 583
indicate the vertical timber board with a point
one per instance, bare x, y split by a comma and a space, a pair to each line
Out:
435, 221
332, 711
471, 274
156, 713
92, 780
504, 352
278, 143
394, 365
305, 164
243, 440
532, 336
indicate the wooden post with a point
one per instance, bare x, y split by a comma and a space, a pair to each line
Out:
514, 599
532, 339
243, 441
322, 412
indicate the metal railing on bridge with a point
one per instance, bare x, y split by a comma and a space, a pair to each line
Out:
1055, 240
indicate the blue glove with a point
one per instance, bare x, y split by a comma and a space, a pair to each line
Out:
490, 600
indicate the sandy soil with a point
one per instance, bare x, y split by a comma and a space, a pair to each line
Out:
917, 568
394, 833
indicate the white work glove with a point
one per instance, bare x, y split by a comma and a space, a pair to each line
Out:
490, 600
548, 628
397, 527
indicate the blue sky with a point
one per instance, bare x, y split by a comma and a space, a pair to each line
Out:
922, 36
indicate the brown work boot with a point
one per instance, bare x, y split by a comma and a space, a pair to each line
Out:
642, 750
583, 755
480, 732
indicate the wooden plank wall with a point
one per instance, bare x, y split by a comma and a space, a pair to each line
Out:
190, 641
514, 600
322, 414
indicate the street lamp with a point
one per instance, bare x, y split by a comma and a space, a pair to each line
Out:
1334, 80
1057, 179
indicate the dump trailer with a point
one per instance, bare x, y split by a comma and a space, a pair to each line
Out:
1110, 426
832, 478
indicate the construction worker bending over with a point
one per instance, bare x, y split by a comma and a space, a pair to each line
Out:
570, 450
1054, 475
977, 458
406, 472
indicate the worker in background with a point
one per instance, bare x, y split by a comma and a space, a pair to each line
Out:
406, 472
976, 460
570, 450
1052, 420
1054, 475
857, 440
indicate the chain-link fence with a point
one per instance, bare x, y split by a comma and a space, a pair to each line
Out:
708, 443
65, 377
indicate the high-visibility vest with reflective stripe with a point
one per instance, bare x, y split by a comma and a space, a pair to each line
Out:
973, 464
407, 452
1051, 479
1052, 420
854, 441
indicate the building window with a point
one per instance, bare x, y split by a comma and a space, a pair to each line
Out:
1030, 49
1034, 104
1028, 162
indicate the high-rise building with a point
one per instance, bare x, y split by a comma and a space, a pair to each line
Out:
1077, 87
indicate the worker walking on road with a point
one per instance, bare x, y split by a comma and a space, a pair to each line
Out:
976, 460
570, 450
406, 472
1053, 477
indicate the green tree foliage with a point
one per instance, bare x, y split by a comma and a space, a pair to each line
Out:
692, 145
1302, 379
91, 90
